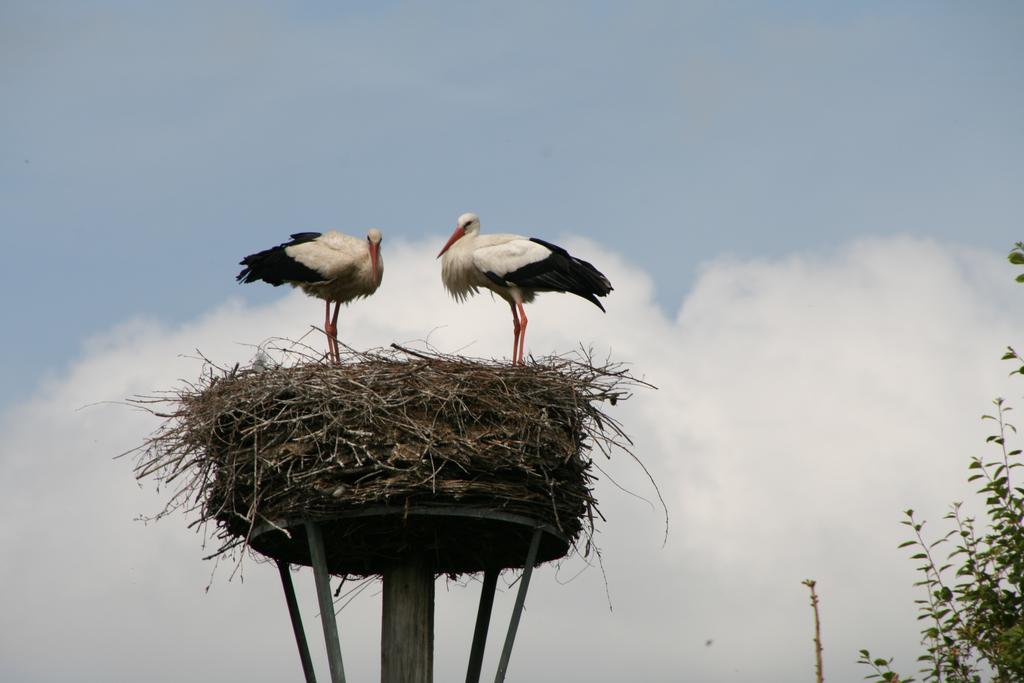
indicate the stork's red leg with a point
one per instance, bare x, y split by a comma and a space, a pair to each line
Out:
327, 328
522, 332
330, 329
515, 331
334, 331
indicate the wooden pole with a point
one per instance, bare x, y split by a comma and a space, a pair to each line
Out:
323, 595
517, 610
407, 622
296, 616
483, 622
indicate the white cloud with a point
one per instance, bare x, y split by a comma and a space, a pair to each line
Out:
803, 403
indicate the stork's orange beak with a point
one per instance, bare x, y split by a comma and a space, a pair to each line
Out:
374, 255
456, 236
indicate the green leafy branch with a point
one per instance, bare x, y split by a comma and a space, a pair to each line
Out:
1016, 257
974, 600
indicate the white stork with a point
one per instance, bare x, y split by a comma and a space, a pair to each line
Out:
330, 266
515, 268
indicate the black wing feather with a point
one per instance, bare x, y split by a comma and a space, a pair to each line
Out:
560, 272
276, 267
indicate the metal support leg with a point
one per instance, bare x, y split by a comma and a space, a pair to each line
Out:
483, 621
517, 611
293, 612
323, 594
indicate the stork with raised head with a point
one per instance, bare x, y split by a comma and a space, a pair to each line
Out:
330, 266
515, 268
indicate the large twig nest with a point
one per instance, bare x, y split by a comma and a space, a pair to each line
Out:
367, 445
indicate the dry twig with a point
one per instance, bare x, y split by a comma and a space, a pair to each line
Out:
818, 671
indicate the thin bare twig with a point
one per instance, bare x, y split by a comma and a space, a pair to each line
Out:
819, 672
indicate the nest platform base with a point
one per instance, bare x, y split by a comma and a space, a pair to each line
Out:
416, 550
456, 539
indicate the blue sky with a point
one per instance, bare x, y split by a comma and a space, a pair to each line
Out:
148, 148
716, 158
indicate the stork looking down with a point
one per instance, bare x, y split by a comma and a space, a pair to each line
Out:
330, 266
515, 268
